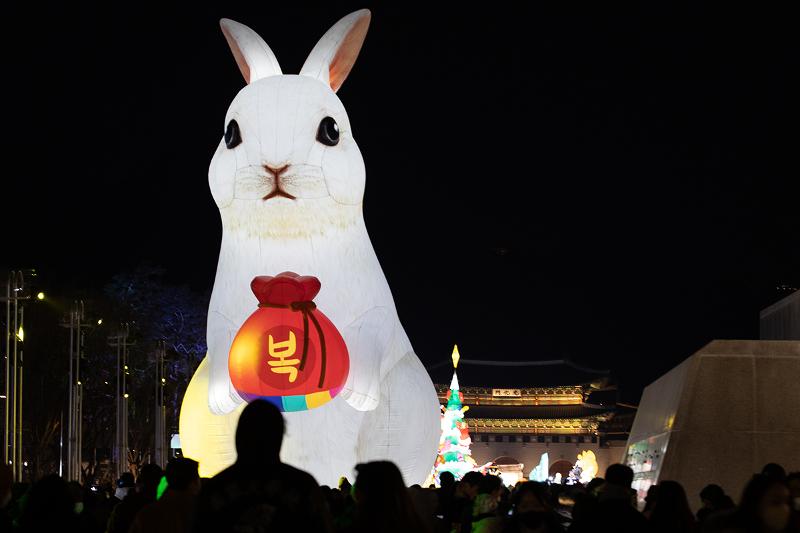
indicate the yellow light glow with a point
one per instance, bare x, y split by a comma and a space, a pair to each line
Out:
21, 334
40, 296
100, 322
163, 380
588, 463
125, 395
201, 430
455, 356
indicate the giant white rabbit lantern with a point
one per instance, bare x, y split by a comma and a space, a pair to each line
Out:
288, 179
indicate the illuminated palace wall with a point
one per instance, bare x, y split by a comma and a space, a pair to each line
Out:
288, 179
524, 423
719, 417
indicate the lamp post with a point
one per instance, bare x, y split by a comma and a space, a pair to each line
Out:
12, 411
120, 342
75, 391
160, 444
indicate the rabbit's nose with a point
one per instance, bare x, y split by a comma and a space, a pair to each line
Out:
276, 171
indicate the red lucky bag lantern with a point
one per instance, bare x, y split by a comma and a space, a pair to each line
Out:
288, 352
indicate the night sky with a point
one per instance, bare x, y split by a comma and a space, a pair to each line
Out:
618, 189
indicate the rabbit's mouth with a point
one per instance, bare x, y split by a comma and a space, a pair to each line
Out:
276, 192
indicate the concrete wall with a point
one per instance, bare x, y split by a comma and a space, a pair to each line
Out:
738, 409
781, 321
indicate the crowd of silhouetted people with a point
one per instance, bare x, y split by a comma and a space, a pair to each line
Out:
259, 493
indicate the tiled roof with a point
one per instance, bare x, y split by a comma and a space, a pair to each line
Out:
516, 374
535, 411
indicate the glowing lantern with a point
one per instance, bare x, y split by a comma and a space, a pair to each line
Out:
588, 466
287, 351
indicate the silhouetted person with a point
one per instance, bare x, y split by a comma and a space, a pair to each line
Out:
774, 471
48, 506
344, 485
146, 486
445, 494
458, 515
650, 500
426, 503
125, 485
175, 510
485, 517
671, 510
383, 504
614, 508
531, 511
5, 497
793, 482
447, 481
764, 507
586, 498
714, 501
259, 492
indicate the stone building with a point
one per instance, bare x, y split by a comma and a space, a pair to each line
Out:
516, 413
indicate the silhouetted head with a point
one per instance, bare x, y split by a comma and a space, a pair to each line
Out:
182, 474
793, 482
469, 484
378, 477
126, 480
490, 485
619, 475
148, 480
530, 496
447, 480
594, 484
672, 507
383, 503
714, 497
259, 433
48, 505
650, 499
774, 470
765, 504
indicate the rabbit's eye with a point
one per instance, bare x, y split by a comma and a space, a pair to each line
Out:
328, 132
232, 136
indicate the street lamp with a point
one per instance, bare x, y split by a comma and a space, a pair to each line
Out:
121, 343
12, 410
77, 327
40, 296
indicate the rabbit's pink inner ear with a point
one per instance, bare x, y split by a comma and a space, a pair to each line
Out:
347, 53
237, 54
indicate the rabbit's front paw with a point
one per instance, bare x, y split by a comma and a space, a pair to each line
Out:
222, 397
361, 401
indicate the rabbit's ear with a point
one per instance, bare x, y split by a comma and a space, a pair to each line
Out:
254, 57
334, 55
